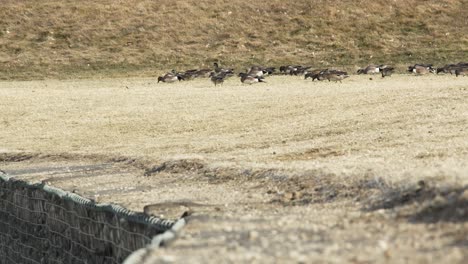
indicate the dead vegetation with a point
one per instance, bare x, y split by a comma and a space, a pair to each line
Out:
376, 169
67, 39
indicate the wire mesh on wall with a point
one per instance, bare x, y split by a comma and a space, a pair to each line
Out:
42, 224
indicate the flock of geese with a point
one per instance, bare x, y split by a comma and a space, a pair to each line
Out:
256, 74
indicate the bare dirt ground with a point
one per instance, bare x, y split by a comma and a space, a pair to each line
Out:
288, 171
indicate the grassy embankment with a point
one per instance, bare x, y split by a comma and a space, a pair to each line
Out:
69, 39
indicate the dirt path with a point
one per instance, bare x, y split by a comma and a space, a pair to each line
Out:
291, 172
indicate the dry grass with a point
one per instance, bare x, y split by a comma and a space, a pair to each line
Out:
286, 171
69, 39
404, 127
289, 170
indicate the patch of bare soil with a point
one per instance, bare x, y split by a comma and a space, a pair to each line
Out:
287, 187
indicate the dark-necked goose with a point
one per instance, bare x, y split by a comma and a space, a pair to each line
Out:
387, 71
256, 71
188, 75
217, 78
250, 79
204, 73
334, 75
449, 68
461, 71
170, 77
294, 69
315, 74
218, 69
421, 69
371, 69
261, 71
298, 70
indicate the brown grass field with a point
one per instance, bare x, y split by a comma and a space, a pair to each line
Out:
286, 171
76, 39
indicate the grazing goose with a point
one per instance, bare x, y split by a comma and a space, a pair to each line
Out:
261, 71
333, 75
283, 68
249, 79
204, 73
449, 68
421, 69
218, 69
294, 69
371, 69
298, 70
336, 77
315, 74
188, 75
461, 71
336, 72
256, 71
374, 69
217, 78
170, 77
269, 70
387, 71
322, 76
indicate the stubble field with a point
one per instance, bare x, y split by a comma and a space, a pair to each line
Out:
359, 171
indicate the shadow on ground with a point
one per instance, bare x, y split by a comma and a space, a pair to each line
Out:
424, 202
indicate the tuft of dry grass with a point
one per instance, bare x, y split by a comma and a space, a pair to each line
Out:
68, 39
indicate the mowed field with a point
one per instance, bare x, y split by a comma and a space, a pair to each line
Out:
293, 170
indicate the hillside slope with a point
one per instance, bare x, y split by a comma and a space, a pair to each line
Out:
67, 39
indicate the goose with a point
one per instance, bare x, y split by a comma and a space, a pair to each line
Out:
286, 69
256, 71
298, 70
261, 71
218, 69
269, 70
294, 69
333, 75
204, 73
283, 68
387, 71
336, 72
371, 69
421, 69
336, 77
249, 79
188, 75
170, 77
315, 74
449, 68
217, 78
322, 75
461, 71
